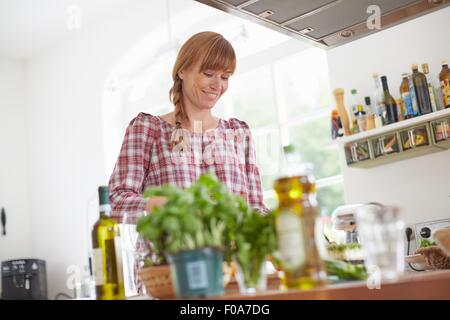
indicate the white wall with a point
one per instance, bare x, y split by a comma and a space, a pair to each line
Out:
14, 160
64, 90
420, 185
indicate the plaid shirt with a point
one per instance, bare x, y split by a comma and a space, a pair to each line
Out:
147, 159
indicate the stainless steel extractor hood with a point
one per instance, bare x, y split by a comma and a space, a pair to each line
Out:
327, 23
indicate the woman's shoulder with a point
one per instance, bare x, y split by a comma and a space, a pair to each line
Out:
146, 122
146, 119
236, 124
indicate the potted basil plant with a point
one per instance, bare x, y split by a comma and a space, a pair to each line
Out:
195, 230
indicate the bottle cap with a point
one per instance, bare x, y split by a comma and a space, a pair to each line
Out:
375, 75
405, 75
415, 67
354, 91
425, 68
444, 62
103, 194
367, 100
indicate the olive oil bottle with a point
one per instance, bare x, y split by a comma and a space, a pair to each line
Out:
106, 253
296, 223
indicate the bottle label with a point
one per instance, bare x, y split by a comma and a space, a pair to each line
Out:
97, 264
378, 121
290, 240
406, 97
197, 274
413, 97
432, 98
445, 86
105, 208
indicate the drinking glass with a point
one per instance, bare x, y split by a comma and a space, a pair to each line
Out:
134, 251
381, 232
252, 278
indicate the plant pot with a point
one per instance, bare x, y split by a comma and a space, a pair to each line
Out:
158, 281
197, 273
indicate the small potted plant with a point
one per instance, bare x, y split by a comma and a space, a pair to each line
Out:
195, 230
255, 243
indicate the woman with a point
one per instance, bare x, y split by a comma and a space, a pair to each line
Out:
178, 147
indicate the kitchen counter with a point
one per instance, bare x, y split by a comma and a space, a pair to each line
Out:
424, 285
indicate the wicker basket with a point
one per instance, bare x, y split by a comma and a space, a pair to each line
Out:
158, 281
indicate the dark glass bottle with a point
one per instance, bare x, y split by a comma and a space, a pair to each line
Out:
391, 113
422, 92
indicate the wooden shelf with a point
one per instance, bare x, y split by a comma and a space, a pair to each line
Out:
398, 126
422, 125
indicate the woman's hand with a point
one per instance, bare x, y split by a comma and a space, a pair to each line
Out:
154, 202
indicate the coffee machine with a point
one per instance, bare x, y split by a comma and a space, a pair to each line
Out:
24, 279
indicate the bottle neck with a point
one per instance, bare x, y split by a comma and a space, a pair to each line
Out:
376, 82
385, 85
291, 192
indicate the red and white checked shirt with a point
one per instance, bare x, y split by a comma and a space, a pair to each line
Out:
147, 159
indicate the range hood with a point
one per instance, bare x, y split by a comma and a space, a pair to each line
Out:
327, 23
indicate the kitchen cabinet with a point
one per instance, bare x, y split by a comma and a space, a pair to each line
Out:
399, 141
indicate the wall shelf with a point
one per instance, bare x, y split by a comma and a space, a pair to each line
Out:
399, 141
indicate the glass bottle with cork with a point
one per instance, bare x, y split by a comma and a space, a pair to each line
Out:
378, 101
355, 108
296, 225
426, 72
411, 110
391, 112
421, 88
370, 121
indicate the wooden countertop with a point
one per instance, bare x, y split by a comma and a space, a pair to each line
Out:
424, 285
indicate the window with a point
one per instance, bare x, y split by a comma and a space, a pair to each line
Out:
286, 100
280, 89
